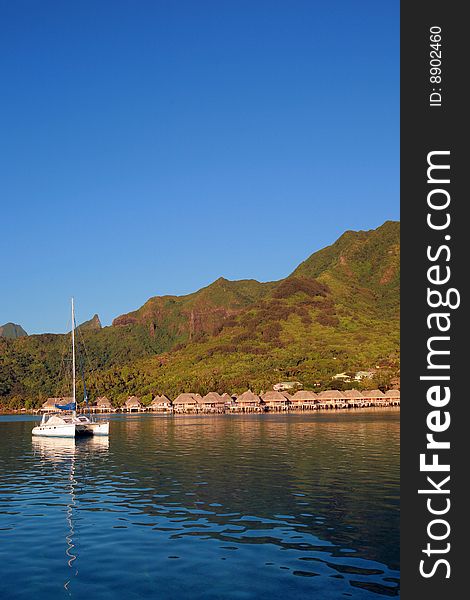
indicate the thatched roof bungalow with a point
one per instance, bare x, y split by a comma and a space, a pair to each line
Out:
230, 402
50, 404
186, 402
374, 396
103, 404
132, 404
160, 404
248, 402
354, 397
103, 401
275, 400
213, 402
393, 396
332, 398
304, 399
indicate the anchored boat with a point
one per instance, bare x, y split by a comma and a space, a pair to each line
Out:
66, 422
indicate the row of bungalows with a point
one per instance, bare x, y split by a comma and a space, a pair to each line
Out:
328, 399
248, 402
195, 403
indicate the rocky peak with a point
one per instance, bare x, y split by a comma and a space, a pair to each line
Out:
12, 331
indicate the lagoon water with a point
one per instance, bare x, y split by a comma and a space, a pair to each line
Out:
210, 507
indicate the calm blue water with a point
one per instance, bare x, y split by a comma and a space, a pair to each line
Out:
237, 507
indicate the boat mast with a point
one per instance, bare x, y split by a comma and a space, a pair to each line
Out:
73, 360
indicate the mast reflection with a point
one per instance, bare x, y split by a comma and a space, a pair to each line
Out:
63, 453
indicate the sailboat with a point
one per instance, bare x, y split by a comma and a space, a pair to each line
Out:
66, 423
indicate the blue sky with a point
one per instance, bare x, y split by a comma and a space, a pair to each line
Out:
150, 147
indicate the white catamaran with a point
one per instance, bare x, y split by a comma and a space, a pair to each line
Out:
66, 423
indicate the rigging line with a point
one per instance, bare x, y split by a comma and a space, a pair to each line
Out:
62, 369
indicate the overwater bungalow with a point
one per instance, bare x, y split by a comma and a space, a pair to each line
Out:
375, 397
304, 400
275, 401
354, 398
248, 402
50, 404
213, 402
332, 399
228, 399
161, 404
132, 404
186, 403
102, 404
393, 397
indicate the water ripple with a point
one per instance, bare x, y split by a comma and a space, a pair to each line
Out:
204, 507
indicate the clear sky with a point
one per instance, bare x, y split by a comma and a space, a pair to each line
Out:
151, 147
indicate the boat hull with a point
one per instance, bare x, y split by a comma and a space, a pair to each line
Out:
72, 430
98, 428
64, 431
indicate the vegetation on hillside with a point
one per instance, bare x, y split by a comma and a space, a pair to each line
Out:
337, 312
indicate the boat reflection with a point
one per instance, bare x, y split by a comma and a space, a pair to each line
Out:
57, 449
54, 449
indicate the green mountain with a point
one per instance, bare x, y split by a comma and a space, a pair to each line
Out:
12, 331
338, 311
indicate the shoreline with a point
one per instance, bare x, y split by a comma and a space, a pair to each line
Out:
346, 410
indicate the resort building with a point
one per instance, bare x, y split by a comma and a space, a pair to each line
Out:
132, 404
393, 397
341, 377
186, 403
248, 402
213, 402
161, 404
332, 399
304, 400
275, 401
374, 397
360, 375
228, 400
354, 398
282, 386
102, 404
